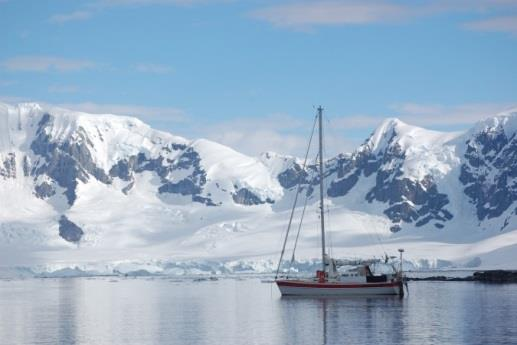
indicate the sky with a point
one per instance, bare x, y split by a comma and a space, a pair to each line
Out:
250, 73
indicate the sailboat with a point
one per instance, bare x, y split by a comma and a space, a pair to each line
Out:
330, 280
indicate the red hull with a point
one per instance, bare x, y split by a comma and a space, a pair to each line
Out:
331, 285
315, 288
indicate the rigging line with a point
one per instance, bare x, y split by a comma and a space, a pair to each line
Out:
325, 182
295, 200
331, 244
299, 228
375, 236
380, 242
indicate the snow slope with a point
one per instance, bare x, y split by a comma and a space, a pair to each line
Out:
103, 192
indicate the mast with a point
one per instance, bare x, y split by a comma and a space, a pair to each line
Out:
322, 211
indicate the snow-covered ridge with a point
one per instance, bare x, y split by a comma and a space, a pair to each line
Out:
406, 136
505, 121
108, 187
112, 137
426, 151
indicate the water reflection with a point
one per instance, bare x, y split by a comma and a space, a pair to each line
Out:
141, 311
333, 320
69, 294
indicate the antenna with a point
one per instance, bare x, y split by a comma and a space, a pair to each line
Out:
401, 250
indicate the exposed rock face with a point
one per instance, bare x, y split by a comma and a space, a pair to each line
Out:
128, 188
183, 187
26, 166
188, 162
489, 172
411, 201
348, 170
70, 162
398, 172
124, 169
44, 190
487, 162
8, 166
407, 200
69, 230
244, 196
292, 176
67, 162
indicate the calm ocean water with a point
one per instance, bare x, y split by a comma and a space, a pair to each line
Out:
167, 311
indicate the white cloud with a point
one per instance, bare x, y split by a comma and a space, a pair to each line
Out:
351, 122
146, 113
152, 2
45, 63
308, 14
288, 134
424, 115
346, 133
279, 133
13, 99
164, 115
500, 24
153, 68
93, 7
441, 115
254, 142
72, 16
5, 83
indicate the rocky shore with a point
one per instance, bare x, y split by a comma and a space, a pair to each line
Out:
489, 276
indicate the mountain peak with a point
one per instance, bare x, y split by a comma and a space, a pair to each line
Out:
386, 131
109, 181
393, 130
504, 121
392, 122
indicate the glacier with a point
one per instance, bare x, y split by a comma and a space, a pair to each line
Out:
107, 193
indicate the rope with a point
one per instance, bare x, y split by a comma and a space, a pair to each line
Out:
295, 201
375, 236
299, 228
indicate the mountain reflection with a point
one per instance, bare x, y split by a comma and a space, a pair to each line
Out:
162, 310
334, 320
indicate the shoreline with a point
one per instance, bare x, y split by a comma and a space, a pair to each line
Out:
487, 276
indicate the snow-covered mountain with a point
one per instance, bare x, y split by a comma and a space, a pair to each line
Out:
81, 187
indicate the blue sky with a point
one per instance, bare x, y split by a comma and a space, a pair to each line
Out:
248, 73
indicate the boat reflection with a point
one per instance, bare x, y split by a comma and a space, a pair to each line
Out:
335, 320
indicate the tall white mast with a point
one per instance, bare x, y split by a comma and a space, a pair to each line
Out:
322, 210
